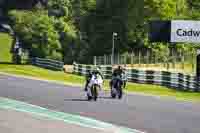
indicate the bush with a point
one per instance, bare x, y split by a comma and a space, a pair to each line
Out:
56, 56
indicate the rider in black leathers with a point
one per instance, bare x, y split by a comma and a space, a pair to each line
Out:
117, 75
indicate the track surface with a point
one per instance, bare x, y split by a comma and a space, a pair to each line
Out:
143, 113
30, 124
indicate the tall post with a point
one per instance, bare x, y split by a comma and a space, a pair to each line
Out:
113, 47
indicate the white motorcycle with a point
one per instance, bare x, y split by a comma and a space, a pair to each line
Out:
95, 82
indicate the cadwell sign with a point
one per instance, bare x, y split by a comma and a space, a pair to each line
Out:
176, 31
185, 31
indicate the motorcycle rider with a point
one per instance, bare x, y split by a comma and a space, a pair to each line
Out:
95, 72
117, 74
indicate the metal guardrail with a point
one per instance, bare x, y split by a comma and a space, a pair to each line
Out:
174, 80
48, 63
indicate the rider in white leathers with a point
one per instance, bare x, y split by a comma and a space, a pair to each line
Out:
96, 73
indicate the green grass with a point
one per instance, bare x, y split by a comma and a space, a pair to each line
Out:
5, 45
38, 72
41, 73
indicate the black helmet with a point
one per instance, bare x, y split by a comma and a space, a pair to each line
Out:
90, 73
119, 67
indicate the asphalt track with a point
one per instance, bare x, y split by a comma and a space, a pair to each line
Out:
9, 123
144, 113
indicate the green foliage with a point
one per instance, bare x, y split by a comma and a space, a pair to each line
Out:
47, 34
68, 39
161, 51
60, 8
80, 29
160, 9
37, 32
135, 20
55, 56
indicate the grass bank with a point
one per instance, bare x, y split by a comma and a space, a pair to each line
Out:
5, 45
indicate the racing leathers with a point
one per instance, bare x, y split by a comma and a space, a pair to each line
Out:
89, 76
117, 75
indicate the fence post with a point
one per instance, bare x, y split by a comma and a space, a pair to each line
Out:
104, 59
173, 58
173, 62
147, 59
139, 58
132, 55
95, 60
155, 60
168, 64
118, 60
111, 60
126, 60
183, 60
193, 61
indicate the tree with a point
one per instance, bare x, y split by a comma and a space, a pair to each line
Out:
21, 4
36, 31
68, 39
100, 23
59, 8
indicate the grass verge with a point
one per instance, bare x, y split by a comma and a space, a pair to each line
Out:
5, 45
41, 73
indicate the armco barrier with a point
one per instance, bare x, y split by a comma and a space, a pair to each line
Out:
173, 80
48, 63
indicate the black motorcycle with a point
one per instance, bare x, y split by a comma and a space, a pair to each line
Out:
116, 89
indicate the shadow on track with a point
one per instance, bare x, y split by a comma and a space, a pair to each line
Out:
86, 100
101, 97
76, 100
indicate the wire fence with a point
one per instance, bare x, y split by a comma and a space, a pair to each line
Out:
183, 62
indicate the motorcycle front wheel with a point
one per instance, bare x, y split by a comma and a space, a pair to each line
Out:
120, 93
94, 92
